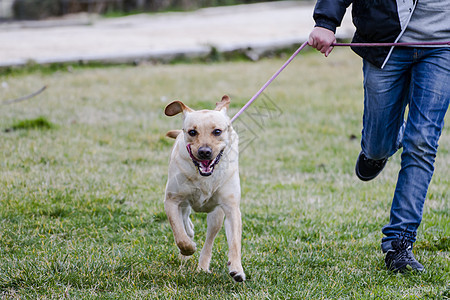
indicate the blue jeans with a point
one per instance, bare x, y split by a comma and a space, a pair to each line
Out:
420, 79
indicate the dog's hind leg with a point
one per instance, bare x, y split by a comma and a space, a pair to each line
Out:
215, 221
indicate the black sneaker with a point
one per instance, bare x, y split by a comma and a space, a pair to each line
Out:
401, 259
367, 169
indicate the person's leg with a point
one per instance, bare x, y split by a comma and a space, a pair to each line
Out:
428, 103
385, 99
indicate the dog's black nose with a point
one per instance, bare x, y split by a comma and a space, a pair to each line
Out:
204, 153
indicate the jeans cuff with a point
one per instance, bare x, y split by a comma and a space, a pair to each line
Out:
386, 243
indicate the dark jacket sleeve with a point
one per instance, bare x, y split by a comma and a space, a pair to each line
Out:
329, 13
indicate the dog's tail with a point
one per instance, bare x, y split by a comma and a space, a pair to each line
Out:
173, 133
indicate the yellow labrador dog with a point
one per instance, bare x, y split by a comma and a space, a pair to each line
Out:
204, 176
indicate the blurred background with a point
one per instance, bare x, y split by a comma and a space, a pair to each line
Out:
41, 9
140, 31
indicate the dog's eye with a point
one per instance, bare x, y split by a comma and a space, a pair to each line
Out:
192, 132
217, 132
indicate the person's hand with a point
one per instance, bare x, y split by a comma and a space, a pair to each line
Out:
321, 39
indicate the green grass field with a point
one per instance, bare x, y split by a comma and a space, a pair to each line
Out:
83, 168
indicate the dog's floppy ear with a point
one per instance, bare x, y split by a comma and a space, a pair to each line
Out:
175, 108
224, 103
173, 133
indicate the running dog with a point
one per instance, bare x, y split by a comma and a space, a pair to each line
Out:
204, 176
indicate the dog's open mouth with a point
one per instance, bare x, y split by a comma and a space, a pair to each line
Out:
205, 167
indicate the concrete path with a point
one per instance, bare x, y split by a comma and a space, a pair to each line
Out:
259, 26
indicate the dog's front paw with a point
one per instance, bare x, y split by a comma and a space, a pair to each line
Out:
238, 277
187, 248
236, 272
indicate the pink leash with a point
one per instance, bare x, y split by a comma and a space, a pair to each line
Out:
269, 81
334, 45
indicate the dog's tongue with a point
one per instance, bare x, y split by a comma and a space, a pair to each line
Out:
205, 165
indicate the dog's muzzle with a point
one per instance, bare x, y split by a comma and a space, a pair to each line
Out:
205, 167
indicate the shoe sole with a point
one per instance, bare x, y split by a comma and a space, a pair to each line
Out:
407, 269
